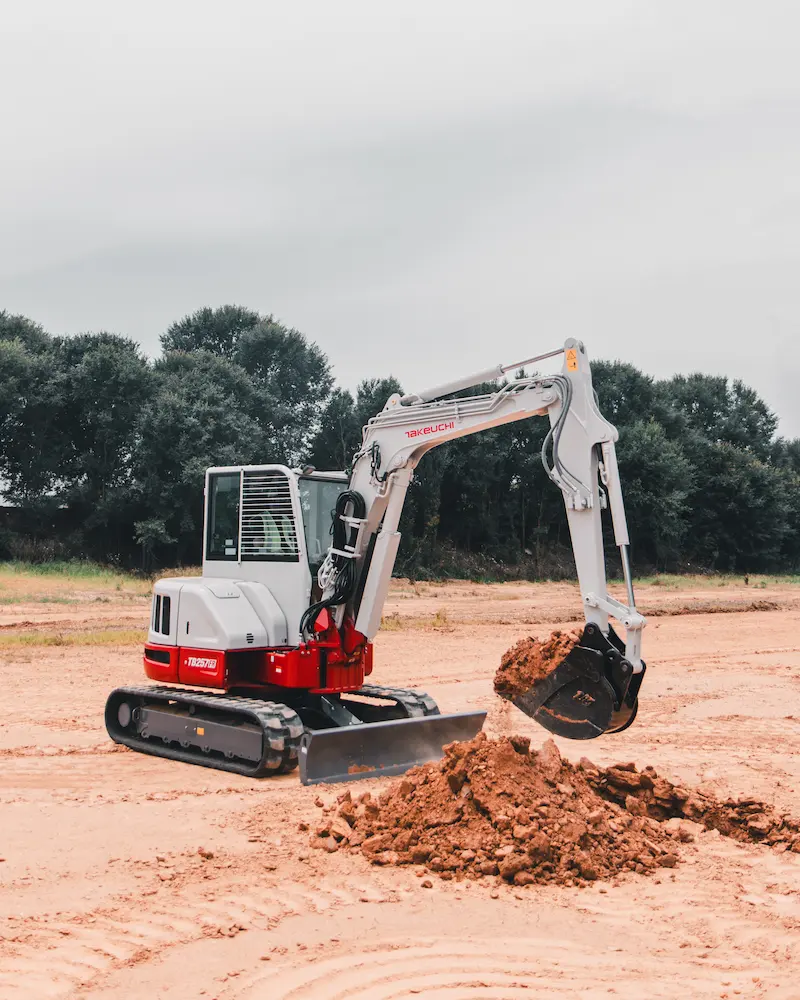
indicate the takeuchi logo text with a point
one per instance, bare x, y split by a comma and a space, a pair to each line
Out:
431, 429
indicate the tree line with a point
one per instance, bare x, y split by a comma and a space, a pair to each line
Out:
102, 455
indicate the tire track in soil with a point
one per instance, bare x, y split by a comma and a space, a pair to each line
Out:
82, 948
456, 969
99, 750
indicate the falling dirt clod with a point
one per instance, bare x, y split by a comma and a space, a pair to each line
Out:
531, 661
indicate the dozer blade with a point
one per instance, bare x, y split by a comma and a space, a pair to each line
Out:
592, 691
380, 749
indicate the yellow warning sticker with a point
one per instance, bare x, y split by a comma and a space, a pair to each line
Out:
572, 360
201, 731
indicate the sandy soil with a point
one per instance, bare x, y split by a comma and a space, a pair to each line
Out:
104, 891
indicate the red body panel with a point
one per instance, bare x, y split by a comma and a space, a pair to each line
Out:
337, 661
203, 667
155, 669
294, 668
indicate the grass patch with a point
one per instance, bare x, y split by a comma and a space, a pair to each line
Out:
67, 568
100, 637
36, 599
395, 622
759, 581
66, 582
181, 571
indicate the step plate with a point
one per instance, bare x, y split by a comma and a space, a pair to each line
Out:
381, 749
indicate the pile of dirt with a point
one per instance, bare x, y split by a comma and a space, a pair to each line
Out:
530, 661
496, 807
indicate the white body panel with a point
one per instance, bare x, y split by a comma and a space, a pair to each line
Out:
170, 588
289, 585
219, 614
377, 586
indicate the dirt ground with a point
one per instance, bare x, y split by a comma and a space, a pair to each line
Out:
123, 876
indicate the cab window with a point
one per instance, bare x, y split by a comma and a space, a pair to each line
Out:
318, 499
223, 516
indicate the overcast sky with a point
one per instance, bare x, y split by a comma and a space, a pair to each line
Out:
424, 188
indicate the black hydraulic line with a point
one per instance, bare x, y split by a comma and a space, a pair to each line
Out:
344, 539
553, 437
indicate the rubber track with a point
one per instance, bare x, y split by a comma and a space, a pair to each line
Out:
282, 728
417, 704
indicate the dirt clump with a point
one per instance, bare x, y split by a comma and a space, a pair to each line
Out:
645, 793
530, 661
496, 807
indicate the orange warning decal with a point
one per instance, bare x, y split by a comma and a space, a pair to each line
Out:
572, 360
201, 731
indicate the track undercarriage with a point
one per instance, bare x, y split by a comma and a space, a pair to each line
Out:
375, 730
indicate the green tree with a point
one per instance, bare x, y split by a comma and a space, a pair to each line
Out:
198, 416
292, 381
29, 334
371, 396
657, 480
722, 411
786, 454
32, 439
790, 550
105, 381
343, 418
738, 510
337, 437
624, 393
214, 330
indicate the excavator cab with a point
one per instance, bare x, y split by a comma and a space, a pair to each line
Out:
319, 493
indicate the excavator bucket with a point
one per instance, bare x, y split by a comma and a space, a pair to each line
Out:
381, 749
591, 691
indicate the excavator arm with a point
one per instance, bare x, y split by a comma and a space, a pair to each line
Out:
594, 689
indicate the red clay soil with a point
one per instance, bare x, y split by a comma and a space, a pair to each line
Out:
496, 807
644, 793
530, 661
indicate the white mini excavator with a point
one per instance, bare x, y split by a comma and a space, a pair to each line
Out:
261, 662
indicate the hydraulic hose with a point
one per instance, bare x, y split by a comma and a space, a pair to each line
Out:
344, 538
559, 473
